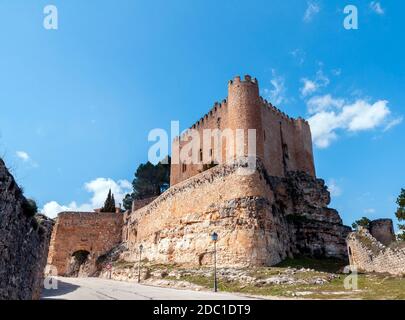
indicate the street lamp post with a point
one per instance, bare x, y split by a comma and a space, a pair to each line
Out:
214, 237
139, 263
110, 266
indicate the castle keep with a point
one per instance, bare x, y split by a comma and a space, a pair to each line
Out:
283, 144
277, 211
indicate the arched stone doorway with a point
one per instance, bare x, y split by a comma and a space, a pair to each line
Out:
78, 263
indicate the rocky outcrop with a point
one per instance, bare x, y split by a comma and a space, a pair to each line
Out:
24, 240
315, 229
382, 230
260, 220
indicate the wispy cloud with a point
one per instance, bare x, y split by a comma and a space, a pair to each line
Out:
334, 189
299, 56
336, 72
369, 210
277, 94
375, 6
99, 189
313, 8
393, 123
24, 156
310, 86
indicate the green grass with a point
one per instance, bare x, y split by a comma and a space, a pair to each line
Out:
323, 265
370, 286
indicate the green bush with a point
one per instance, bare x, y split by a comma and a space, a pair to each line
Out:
29, 207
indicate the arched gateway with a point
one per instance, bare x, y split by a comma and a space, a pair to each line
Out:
78, 239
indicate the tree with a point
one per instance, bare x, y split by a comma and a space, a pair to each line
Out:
400, 214
150, 181
363, 222
109, 204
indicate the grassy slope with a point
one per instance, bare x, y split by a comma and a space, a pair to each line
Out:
370, 286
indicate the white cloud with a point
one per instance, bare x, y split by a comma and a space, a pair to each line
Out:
334, 189
376, 7
363, 116
308, 87
24, 156
323, 103
99, 189
393, 123
311, 86
277, 94
369, 210
330, 115
312, 9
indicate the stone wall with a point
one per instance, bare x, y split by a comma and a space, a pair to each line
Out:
260, 219
369, 255
24, 240
94, 233
284, 144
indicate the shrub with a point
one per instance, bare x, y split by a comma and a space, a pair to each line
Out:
29, 207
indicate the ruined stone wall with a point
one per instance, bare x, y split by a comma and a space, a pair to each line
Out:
260, 219
24, 240
282, 143
95, 233
369, 255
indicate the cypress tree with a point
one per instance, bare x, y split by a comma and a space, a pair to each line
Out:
109, 204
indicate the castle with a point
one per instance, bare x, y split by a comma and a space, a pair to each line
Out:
283, 144
279, 210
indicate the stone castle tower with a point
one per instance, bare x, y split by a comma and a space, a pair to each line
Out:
283, 144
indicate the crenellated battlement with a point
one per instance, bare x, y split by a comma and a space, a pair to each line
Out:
211, 114
288, 149
247, 79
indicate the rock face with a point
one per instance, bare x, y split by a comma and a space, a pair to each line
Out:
24, 240
260, 220
367, 254
383, 231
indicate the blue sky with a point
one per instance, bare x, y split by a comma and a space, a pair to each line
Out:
77, 103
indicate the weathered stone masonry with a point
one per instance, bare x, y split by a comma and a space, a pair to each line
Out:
91, 232
260, 219
370, 255
24, 240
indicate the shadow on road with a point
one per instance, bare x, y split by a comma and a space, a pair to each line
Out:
63, 288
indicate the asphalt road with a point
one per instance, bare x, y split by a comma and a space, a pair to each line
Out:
103, 289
